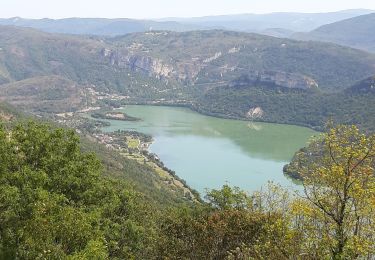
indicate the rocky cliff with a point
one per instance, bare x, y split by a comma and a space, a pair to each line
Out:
188, 70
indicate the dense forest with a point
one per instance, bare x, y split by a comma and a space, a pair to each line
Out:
58, 202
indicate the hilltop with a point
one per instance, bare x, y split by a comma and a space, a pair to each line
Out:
97, 26
357, 32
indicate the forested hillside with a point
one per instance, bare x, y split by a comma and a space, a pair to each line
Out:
216, 72
217, 57
311, 108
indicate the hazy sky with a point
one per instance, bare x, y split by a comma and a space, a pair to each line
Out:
167, 8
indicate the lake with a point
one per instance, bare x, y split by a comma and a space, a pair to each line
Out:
209, 152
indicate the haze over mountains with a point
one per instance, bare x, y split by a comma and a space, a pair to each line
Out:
357, 32
274, 24
298, 22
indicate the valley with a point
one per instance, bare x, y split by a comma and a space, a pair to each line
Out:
229, 75
228, 136
207, 151
215, 72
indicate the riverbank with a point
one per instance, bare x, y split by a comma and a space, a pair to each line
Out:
134, 145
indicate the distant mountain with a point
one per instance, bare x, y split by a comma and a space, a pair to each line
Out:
357, 32
297, 22
286, 23
97, 26
277, 32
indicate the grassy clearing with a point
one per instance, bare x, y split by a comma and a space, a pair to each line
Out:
132, 143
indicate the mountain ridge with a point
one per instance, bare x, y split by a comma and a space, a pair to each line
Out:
355, 32
259, 23
217, 72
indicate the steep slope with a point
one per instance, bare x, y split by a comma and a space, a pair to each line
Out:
217, 57
357, 32
137, 176
158, 64
27, 53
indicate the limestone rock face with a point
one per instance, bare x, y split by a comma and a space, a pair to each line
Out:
136, 61
136, 57
255, 112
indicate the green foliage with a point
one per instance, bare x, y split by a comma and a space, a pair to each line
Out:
337, 215
55, 203
259, 230
228, 198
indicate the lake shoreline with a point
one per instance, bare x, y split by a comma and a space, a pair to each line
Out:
217, 115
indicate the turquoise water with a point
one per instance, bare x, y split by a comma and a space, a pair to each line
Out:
208, 152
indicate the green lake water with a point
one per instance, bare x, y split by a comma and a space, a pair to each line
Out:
208, 152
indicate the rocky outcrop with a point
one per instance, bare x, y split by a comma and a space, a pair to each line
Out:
137, 57
255, 113
275, 78
136, 62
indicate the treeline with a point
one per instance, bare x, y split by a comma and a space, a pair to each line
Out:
56, 203
114, 116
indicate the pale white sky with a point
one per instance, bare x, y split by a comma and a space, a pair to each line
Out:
167, 8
